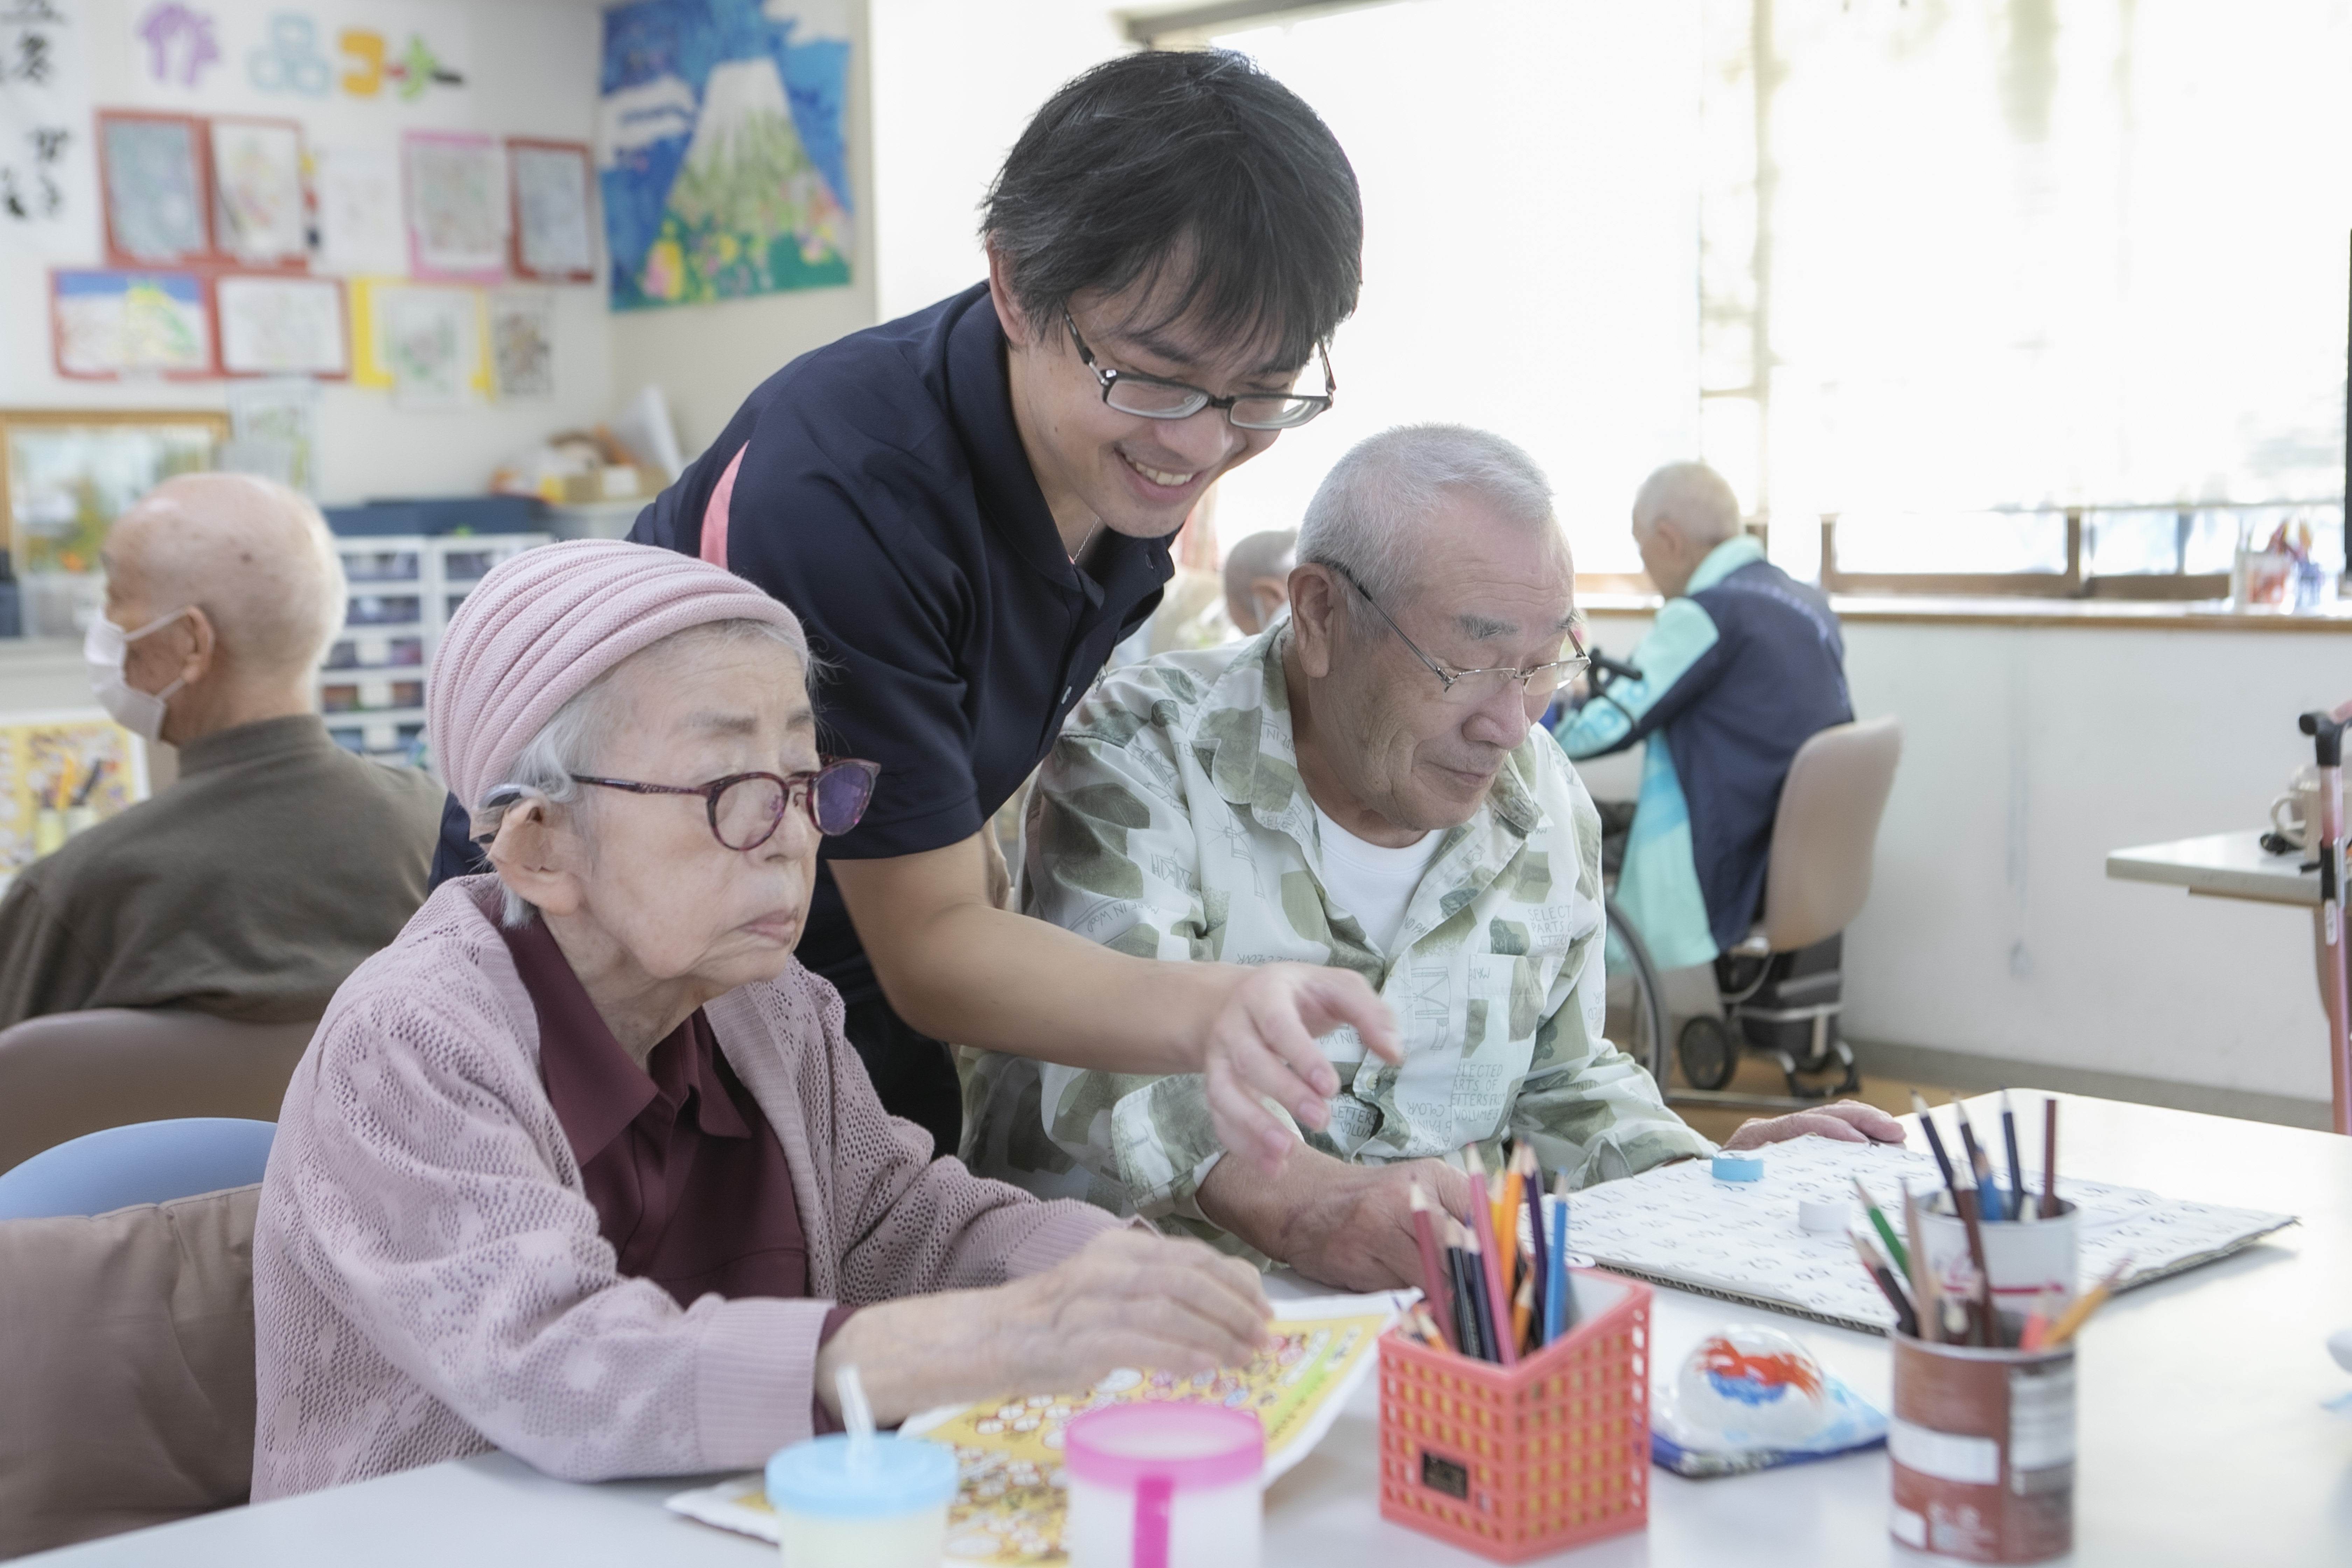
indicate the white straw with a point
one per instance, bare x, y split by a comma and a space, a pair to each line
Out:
857, 1414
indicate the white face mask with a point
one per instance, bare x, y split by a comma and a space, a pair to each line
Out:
105, 649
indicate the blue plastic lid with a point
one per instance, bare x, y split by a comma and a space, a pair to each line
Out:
899, 1476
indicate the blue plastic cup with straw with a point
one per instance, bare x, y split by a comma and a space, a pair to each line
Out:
875, 1500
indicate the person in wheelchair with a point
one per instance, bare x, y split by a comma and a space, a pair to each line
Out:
1742, 666
1363, 786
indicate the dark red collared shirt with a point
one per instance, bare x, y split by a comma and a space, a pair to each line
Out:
689, 1181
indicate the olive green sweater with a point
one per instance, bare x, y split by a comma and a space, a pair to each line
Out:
249, 889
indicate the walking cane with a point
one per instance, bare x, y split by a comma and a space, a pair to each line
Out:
2326, 731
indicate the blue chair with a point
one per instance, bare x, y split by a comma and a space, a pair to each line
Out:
148, 1162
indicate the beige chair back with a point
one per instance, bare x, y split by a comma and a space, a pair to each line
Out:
71, 1073
1827, 826
126, 1369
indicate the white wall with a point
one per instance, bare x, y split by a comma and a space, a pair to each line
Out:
533, 71
954, 83
2030, 752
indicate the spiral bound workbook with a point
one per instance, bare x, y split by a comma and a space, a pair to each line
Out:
1678, 1226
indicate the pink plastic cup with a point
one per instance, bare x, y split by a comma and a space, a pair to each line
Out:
1165, 1486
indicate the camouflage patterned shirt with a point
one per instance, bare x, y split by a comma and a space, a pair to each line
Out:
1169, 823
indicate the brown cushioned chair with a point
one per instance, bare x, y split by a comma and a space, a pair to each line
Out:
126, 1368
71, 1073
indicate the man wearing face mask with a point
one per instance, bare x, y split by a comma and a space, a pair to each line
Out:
277, 861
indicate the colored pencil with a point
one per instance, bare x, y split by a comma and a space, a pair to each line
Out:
1432, 1278
1556, 1305
1570, 1314
1465, 1300
2088, 1302
1886, 1232
1531, 1198
1935, 1142
1883, 1277
2037, 1324
1523, 1314
1497, 1302
1923, 1278
1980, 1167
2050, 1158
2018, 1208
1980, 1309
1480, 1269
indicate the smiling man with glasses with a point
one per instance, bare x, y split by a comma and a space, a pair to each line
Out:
1363, 786
972, 506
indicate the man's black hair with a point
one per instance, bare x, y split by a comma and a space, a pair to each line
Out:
1190, 164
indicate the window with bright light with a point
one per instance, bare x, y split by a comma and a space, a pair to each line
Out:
1967, 268
1529, 175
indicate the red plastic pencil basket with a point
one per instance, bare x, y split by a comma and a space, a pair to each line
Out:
1515, 1462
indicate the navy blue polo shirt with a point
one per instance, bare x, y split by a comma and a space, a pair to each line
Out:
877, 486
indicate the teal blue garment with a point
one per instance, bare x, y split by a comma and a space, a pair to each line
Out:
1657, 889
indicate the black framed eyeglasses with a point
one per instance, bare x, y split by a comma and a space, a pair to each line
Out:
746, 809
1152, 398
1474, 688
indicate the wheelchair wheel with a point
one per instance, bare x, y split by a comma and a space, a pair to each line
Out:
1707, 1052
1636, 1020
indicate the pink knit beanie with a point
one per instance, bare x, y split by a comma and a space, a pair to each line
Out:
542, 626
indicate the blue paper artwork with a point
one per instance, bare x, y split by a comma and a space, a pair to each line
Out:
154, 188
721, 159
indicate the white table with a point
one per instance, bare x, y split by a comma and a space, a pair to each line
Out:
2203, 1437
2222, 865
2236, 866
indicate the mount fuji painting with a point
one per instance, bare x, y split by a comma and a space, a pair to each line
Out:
720, 149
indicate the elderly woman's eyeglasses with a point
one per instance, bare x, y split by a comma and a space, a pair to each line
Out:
746, 809
1474, 688
1152, 398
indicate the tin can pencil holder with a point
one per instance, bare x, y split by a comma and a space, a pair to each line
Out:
1518, 1462
1983, 1443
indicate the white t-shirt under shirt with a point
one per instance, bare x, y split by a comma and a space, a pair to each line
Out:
1373, 884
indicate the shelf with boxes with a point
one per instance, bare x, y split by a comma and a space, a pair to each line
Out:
404, 589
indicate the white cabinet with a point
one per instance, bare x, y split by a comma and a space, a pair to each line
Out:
404, 588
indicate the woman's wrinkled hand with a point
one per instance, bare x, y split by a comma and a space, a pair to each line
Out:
1130, 1297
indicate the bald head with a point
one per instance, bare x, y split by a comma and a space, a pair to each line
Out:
1691, 496
256, 557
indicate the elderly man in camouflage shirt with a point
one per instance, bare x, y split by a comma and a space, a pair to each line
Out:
1362, 787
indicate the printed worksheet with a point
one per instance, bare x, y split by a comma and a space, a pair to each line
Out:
1010, 1509
1678, 1226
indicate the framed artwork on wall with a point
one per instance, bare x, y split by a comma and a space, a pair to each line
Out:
65, 477
155, 173
455, 185
259, 202
282, 326
117, 325
554, 220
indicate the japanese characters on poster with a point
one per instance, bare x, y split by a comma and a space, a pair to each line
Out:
48, 170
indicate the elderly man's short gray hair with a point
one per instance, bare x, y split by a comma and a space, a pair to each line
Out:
573, 740
1694, 498
1370, 511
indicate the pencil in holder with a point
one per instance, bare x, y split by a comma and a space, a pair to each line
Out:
1518, 1462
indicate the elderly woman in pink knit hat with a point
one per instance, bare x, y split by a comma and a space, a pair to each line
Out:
581, 1167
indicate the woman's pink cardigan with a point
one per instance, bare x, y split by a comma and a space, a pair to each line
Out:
427, 1277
